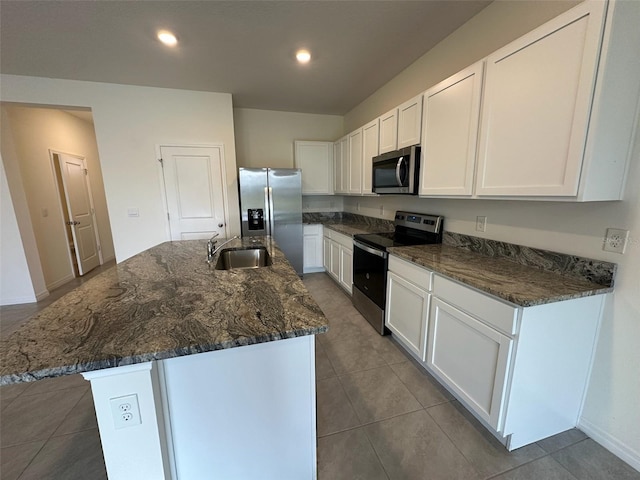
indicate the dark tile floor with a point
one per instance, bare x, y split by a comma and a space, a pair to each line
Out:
380, 416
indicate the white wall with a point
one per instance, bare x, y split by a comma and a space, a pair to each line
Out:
34, 132
264, 138
129, 123
611, 414
15, 281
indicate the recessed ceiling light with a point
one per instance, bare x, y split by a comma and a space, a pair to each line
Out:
168, 38
303, 56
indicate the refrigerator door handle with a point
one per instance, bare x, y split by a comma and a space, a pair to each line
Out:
271, 212
267, 211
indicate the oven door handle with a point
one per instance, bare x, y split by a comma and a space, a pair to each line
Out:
368, 249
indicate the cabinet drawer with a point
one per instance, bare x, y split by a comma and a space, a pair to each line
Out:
344, 240
312, 229
491, 311
409, 271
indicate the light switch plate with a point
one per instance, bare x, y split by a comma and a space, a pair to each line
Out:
481, 223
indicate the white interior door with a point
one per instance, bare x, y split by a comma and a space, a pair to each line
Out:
77, 193
195, 189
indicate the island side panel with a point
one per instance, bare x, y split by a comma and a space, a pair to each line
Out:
138, 450
246, 412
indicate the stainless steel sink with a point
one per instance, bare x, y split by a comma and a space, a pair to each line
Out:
251, 257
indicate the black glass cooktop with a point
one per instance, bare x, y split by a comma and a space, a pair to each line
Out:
384, 240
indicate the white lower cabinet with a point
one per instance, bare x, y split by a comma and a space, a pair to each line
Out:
406, 314
346, 268
326, 253
334, 266
522, 371
471, 358
338, 257
312, 248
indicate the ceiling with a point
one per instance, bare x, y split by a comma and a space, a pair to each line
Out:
245, 48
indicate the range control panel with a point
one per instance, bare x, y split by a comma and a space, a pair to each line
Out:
419, 221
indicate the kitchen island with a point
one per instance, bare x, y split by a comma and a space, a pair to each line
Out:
156, 336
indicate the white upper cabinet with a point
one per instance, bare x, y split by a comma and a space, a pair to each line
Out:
450, 133
355, 162
315, 159
558, 107
341, 165
409, 122
346, 164
370, 141
388, 131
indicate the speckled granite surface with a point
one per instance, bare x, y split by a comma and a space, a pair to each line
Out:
349, 223
162, 303
519, 284
596, 271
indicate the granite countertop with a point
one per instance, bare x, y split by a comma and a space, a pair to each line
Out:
162, 303
349, 224
522, 285
351, 229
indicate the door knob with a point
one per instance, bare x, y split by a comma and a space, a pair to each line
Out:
220, 225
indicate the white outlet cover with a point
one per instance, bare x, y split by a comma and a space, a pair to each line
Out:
125, 411
615, 240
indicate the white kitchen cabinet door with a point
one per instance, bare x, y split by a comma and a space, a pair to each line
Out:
388, 131
334, 268
326, 254
410, 122
406, 313
450, 134
346, 164
312, 248
355, 162
346, 268
536, 107
341, 165
315, 159
370, 141
471, 358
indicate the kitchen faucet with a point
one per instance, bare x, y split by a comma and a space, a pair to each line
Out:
212, 249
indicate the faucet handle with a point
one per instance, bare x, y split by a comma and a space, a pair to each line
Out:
214, 235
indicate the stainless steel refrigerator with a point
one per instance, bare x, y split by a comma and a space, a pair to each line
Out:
271, 204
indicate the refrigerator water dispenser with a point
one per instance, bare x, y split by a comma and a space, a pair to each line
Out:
256, 218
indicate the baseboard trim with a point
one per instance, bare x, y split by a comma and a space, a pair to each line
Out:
611, 443
59, 283
42, 295
313, 270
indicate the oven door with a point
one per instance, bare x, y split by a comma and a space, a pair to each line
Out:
370, 272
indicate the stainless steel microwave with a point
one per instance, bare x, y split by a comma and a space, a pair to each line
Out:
397, 172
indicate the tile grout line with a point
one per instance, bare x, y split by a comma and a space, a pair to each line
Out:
50, 436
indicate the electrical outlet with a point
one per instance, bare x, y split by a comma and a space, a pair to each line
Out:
481, 223
615, 240
381, 209
358, 206
125, 411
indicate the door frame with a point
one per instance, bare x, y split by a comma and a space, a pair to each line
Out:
53, 152
163, 188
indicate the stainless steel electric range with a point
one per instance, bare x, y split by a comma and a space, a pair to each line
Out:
370, 260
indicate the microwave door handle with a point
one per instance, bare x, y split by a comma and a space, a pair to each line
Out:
398, 166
